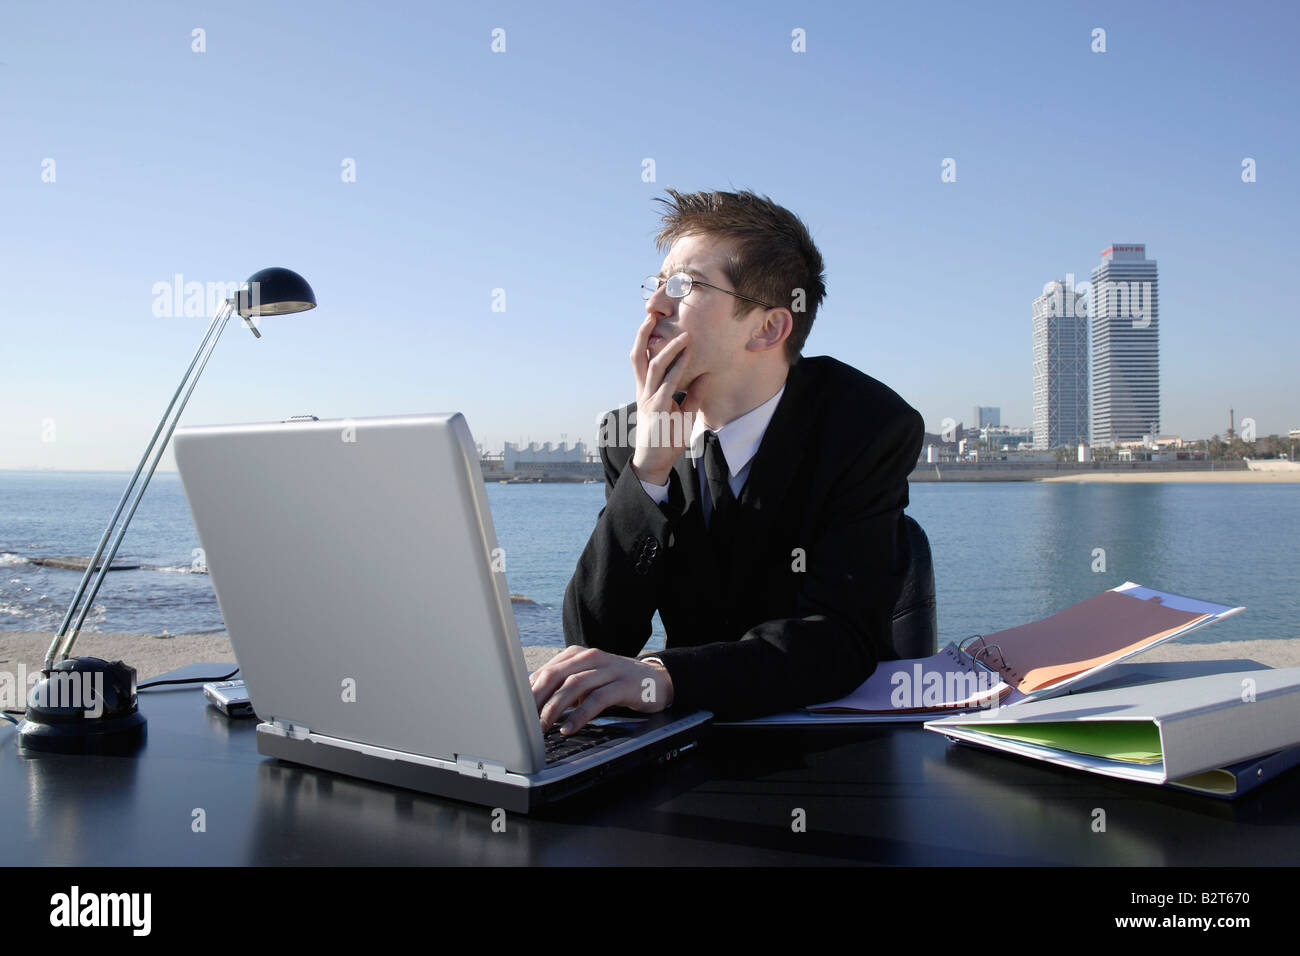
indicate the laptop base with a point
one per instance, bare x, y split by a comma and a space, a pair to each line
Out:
524, 797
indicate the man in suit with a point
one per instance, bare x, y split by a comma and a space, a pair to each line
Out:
754, 497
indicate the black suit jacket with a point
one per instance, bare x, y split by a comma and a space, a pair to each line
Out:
817, 562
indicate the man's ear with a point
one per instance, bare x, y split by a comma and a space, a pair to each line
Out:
776, 327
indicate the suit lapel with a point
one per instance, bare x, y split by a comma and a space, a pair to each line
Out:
770, 474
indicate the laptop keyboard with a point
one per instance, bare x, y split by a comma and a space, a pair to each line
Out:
558, 746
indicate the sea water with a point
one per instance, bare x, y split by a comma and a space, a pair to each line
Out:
1004, 553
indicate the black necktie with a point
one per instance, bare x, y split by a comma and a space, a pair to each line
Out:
724, 501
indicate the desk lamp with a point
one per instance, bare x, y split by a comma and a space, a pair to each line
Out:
70, 709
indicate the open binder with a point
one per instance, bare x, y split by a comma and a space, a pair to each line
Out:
1057, 654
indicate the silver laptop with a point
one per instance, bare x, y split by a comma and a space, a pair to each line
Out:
358, 572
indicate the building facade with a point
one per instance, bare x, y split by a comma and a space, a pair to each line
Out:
542, 463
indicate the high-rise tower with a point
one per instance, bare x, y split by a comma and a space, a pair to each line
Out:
1125, 310
1060, 323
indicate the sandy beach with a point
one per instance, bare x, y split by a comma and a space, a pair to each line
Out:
152, 655
1232, 477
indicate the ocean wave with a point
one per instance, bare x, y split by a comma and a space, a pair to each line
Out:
8, 558
47, 616
16, 617
17, 610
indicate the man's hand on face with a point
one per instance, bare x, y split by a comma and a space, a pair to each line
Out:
592, 680
660, 440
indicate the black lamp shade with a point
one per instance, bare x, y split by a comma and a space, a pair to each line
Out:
279, 292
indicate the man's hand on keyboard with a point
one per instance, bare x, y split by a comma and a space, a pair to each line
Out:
592, 680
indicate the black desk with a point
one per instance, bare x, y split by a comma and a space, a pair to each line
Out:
893, 795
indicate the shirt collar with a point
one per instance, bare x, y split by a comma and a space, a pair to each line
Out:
741, 436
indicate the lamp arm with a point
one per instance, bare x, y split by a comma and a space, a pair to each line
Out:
64, 639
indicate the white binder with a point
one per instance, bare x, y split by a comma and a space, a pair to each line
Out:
1153, 733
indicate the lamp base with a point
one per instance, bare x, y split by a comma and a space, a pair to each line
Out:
83, 705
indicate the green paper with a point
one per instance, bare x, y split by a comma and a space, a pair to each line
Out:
1131, 741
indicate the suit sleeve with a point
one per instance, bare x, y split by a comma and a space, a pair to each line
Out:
842, 625
614, 592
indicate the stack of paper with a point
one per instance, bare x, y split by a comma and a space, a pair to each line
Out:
1059, 653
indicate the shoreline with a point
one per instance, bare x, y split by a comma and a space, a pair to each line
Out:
152, 654
1141, 473
1231, 477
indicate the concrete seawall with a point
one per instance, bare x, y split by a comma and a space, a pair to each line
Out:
1286, 467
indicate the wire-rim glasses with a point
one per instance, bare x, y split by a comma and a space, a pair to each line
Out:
678, 286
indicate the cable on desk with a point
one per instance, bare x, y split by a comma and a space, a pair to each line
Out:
186, 680
8, 713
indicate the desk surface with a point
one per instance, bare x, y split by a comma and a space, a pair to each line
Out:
870, 794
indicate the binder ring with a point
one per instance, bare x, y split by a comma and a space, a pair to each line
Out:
985, 648
992, 647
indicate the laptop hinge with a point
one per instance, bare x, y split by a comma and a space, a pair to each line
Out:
287, 728
483, 769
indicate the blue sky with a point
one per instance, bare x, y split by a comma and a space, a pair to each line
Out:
522, 171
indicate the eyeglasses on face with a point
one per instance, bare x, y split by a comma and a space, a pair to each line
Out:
679, 284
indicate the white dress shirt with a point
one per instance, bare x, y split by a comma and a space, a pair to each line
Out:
739, 439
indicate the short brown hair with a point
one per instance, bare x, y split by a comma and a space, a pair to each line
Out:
775, 256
